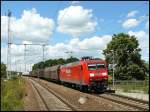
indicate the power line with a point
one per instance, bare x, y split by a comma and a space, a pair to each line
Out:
25, 54
69, 52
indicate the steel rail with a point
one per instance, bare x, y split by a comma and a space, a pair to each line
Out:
125, 101
135, 99
74, 108
41, 97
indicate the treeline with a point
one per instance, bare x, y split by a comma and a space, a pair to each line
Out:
52, 62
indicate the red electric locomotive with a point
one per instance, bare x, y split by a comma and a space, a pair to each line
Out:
86, 73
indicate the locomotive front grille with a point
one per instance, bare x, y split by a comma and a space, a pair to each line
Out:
99, 84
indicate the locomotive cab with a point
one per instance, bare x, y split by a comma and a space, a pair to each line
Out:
98, 75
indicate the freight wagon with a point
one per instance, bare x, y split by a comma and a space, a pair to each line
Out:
52, 73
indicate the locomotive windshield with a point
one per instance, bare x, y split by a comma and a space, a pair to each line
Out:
99, 66
92, 66
96, 66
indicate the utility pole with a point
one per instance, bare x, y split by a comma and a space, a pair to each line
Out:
43, 52
15, 64
25, 45
20, 67
113, 68
9, 48
25, 57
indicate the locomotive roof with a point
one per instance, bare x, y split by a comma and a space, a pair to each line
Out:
93, 61
71, 64
83, 61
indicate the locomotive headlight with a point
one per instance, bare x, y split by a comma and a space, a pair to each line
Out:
91, 75
104, 74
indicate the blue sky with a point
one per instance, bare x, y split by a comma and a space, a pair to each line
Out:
110, 11
107, 18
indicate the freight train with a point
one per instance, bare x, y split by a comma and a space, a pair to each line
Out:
86, 74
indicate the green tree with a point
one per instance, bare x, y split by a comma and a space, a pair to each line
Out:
53, 62
61, 61
3, 70
127, 59
71, 59
136, 71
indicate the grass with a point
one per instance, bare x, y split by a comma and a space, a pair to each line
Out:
133, 86
12, 92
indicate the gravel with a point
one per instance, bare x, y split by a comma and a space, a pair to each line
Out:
84, 101
52, 102
30, 101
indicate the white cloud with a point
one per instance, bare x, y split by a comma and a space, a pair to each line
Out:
26, 42
75, 20
132, 13
30, 27
4, 28
143, 39
33, 55
85, 47
147, 25
129, 23
74, 2
4, 54
79, 48
141, 35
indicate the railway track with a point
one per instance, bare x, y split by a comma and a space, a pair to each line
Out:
133, 103
124, 102
43, 105
64, 101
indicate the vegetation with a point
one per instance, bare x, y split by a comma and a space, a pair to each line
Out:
127, 59
3, 70
12, 93
132, 86
50, 62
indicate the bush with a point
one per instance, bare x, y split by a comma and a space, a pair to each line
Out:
136, 72
13, 91
121, 73
3, 70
